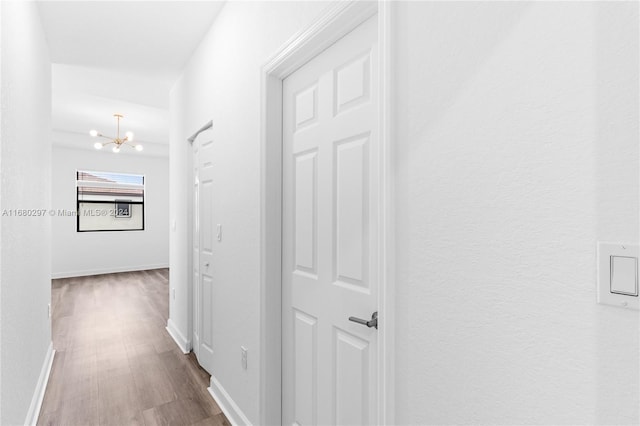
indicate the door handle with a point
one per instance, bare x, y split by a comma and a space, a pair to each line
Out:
206, 264
373, 322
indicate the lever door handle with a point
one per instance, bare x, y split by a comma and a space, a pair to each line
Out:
371, 323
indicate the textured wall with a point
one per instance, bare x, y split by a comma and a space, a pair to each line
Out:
517, 150
25, 173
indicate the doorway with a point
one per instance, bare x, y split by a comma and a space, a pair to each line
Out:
330, 183
202, 240
280, 256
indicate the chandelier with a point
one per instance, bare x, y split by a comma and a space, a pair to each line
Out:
128, 138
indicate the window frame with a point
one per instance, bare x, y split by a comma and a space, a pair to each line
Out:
114, 202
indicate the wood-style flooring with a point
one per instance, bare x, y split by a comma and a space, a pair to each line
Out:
115, 363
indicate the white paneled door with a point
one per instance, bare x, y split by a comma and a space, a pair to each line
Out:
330, 234
203, 240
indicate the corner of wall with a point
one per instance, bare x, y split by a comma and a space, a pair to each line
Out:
183, 343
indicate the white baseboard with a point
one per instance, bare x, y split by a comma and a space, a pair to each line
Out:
41, 386
183, 343
230, 409
100, 271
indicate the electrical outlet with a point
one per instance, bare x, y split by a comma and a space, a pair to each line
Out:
243, 352
173, 293
219, 232
49, 310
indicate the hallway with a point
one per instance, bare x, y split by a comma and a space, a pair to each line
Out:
437, 225
115, 364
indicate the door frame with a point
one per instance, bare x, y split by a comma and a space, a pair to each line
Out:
337, 20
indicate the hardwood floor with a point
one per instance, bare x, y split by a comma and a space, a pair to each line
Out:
115, 363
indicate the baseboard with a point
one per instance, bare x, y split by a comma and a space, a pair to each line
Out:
230, 409
41, 386
100, 271
183, 343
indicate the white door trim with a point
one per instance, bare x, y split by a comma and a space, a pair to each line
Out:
193, 137
337, 20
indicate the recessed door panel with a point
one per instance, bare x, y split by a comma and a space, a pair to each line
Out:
351, 379
207, 317
305, 212
351, 210
306, 110
206, 208
352, 83
305, 361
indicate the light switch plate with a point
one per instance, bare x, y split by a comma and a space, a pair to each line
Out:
624, 275
616, 275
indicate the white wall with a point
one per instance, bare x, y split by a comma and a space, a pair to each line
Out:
87, 253
517, 150
222, 83
25, 243
617, 132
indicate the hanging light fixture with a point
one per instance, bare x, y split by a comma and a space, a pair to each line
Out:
128, 138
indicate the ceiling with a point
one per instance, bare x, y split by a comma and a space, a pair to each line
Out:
119, 57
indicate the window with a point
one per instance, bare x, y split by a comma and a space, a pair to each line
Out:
109, 201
